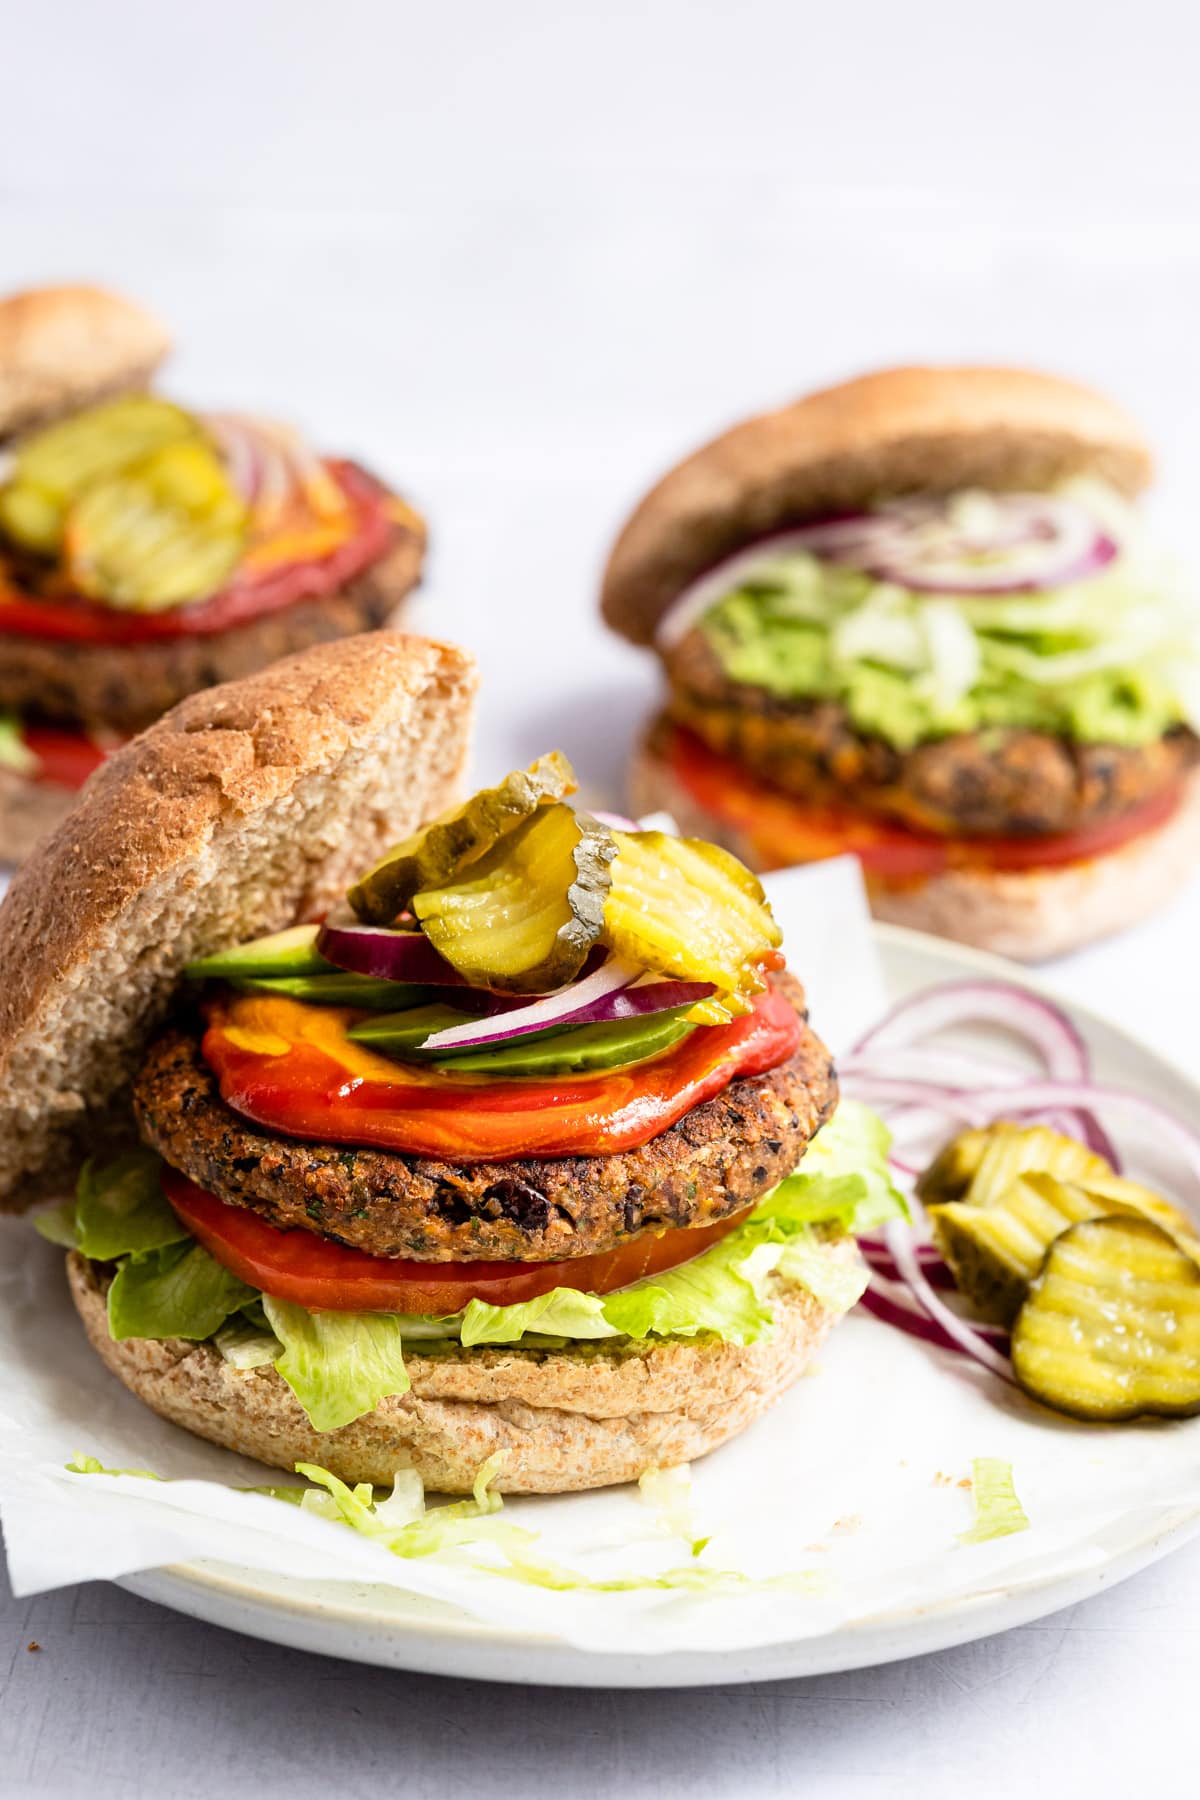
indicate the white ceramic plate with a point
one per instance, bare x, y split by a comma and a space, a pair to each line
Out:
389, 1628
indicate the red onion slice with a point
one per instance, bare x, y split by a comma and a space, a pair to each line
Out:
899, 1240
925, 545
599, 999
390, 955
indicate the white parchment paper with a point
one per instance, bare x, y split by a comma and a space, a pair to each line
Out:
855, 1480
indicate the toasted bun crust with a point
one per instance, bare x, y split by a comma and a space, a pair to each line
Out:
63, 347
1026, 914
895, 432
246, 808
563, 1420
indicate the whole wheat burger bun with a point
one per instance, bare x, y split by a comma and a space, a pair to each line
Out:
1026, 914
63, 347
563, 1421
245, 809
899, 431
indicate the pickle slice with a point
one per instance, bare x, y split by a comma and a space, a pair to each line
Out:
995, 1250
681, 907
168, 530
440, 852
1014, 1150
1111, 1328
950, 1173
55, 466
530, 909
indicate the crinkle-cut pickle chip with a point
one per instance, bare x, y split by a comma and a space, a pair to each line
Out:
168, 530
683, 907
529, 911
1014, 1150
949, 1174
1111, 1328
994, 1250
439, 852
56, 466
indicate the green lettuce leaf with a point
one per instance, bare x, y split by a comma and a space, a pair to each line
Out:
338, 1365
179, 1291
121, 1210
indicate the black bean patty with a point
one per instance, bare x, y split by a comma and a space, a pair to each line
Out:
1005, 783
125, 687
719, 1158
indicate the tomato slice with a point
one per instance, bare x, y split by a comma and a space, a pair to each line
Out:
329, 1277
292, 1068
65, 758
785, 830
250, 595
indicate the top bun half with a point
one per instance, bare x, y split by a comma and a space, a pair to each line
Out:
245, 809
900, 431
63, 347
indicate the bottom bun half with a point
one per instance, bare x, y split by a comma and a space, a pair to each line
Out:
1029, 914
563, 1420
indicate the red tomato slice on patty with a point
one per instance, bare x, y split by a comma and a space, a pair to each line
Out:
785, 830
327, 1277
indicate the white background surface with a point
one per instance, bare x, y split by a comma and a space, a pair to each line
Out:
520, 257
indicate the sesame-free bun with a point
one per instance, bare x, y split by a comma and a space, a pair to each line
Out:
1028, 914
63, 347
564, 1421
245, 809
900, 431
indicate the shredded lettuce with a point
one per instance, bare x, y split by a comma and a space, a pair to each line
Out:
998, 1512
1115, 658
340, 1365
400, 1523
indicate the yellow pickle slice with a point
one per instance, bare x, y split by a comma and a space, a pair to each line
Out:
682, 907
168, 530
441, 851
1111, 1327
525, 915
58, 464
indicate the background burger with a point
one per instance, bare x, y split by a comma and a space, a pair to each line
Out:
915, 617
501, 1160
147, 551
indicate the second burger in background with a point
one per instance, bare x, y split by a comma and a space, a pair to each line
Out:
915, 617
148, 551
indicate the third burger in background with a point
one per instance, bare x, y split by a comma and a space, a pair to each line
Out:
915, 617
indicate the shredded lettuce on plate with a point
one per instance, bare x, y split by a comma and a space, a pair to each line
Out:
400, 1523
998, 1512
341, 1365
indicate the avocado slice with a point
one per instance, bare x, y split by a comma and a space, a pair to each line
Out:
291, 952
